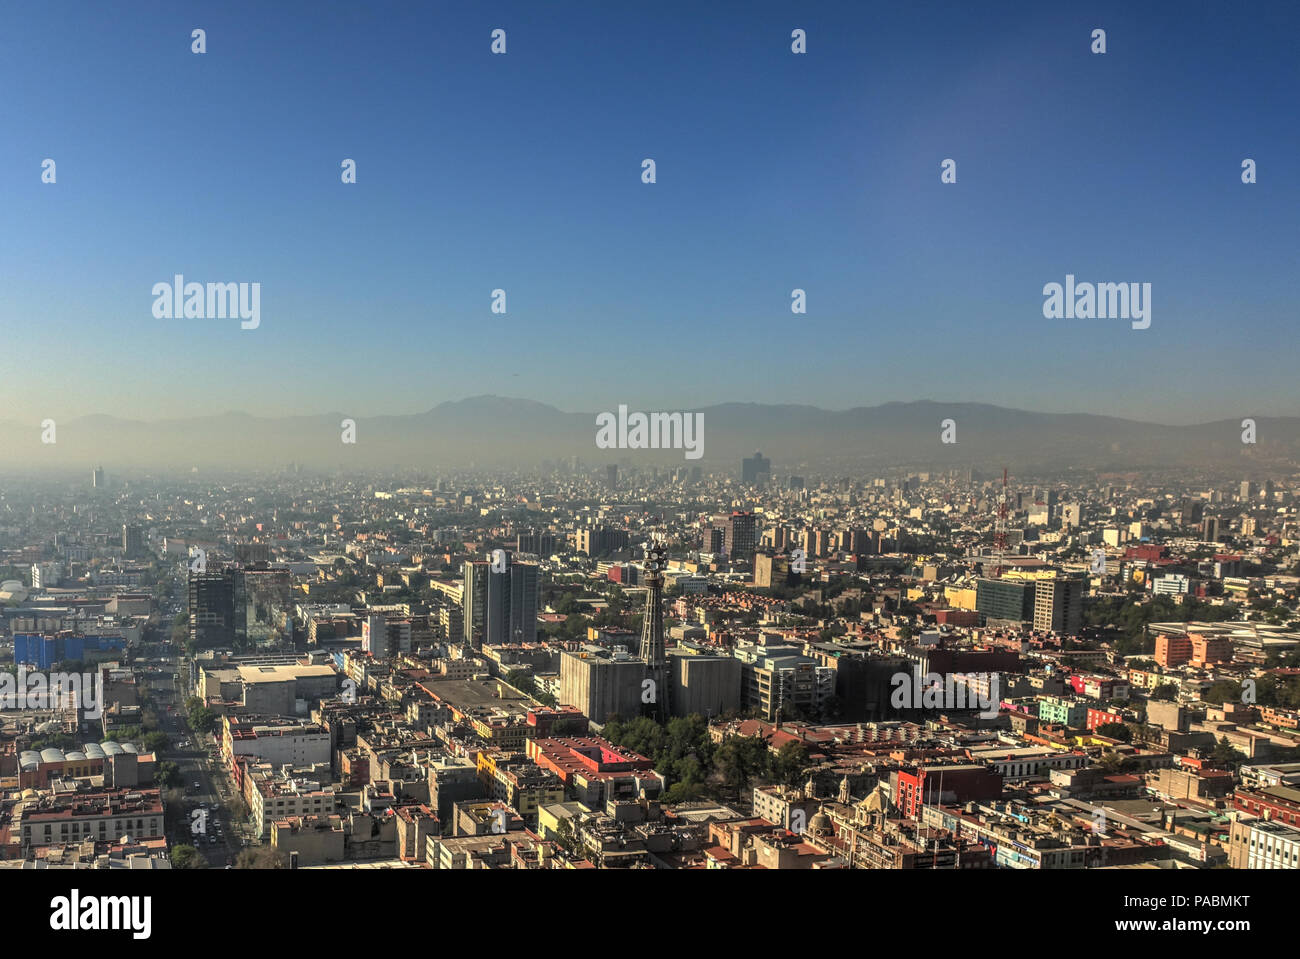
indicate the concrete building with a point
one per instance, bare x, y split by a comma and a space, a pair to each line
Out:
274, 796
1058, 605
315, 840
703, 685
104, 815
274, 740
1262, 844
1005, 599
277, 690
594, 771
779, 681
602, 686
452, 780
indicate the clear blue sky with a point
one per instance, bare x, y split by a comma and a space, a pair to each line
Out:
522, 171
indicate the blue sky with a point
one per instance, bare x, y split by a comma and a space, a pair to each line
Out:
522, 172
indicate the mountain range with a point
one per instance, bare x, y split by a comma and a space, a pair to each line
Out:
494, 432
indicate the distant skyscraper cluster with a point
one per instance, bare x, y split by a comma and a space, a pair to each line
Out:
755, 470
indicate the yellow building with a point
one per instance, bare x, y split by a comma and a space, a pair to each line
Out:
959, 598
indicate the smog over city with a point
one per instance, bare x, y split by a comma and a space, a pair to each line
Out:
466, 438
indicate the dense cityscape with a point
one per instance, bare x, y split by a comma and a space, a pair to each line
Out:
853, 447
619, 667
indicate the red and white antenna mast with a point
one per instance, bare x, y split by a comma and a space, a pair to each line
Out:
1000, 527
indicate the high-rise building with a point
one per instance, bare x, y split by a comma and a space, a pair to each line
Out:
212, 609
523, 602
537, 542
600, 540
499, 605
1210, 529
474, 598
714, 539
251, 553
1005, 599
741, 538
451, 623
755, 469
611, 476
772, 570
97, 477
374, 635
263, 604
132, 541
1058, 605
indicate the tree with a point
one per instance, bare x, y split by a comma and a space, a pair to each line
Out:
1110, 762
790, 764
1225, 753
167, 775
742, 758
238, 809
567, 838
1166, 692
266, 857
198, 716
187, 857
832, 708
522, 680
1115, 731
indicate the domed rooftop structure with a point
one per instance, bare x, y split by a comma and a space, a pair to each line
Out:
12, 589
820, 824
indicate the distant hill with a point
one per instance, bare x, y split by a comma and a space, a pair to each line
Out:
493, 431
